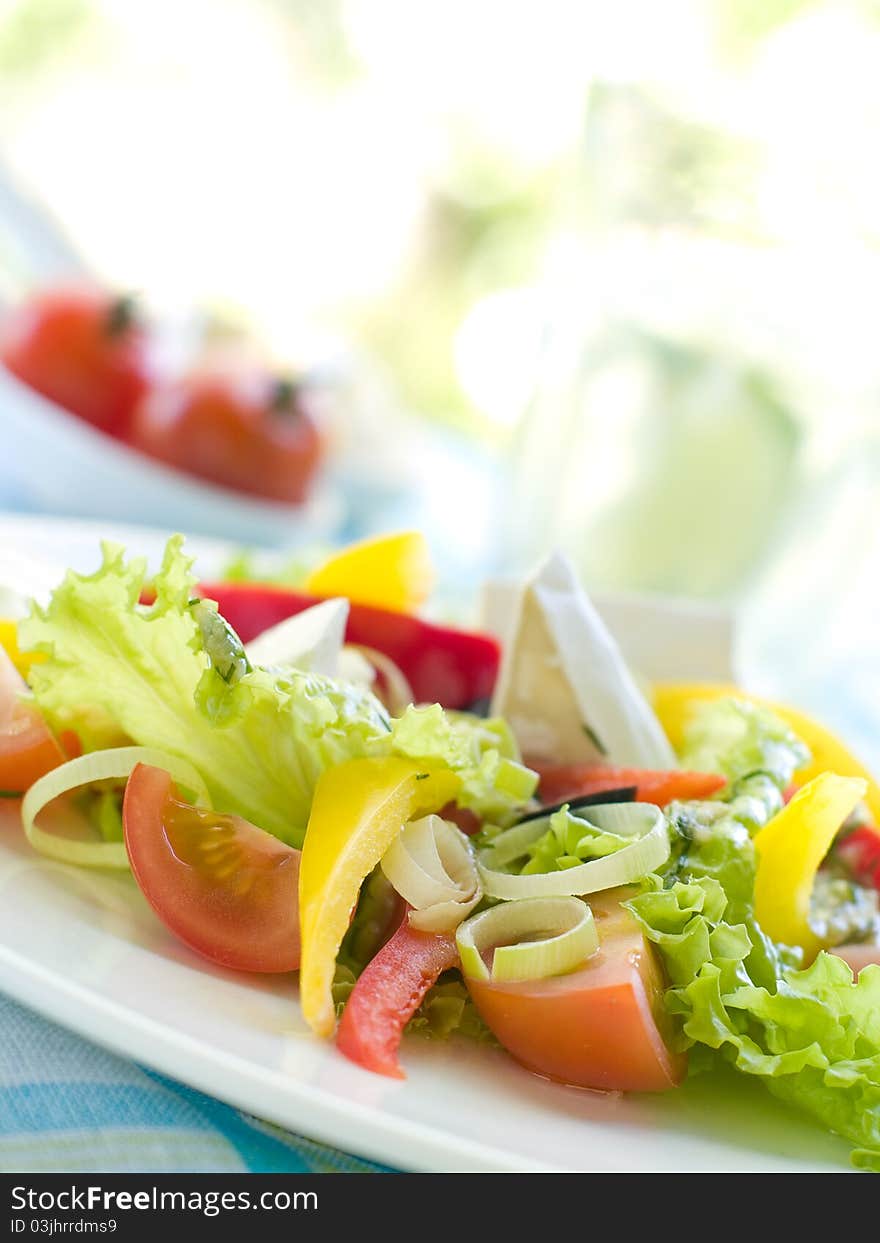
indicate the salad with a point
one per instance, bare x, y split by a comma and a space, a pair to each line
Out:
510, 841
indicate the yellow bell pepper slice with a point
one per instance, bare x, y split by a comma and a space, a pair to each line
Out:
389, 572
790, 848
9, 641
674, 704
358, 810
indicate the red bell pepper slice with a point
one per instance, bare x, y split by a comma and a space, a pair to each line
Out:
389, 991
455, 668
560, 782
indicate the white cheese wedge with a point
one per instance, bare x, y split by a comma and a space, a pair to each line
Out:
311, 640
564, 687
661, 639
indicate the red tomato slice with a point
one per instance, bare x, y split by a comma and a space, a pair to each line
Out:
564, 781
225, 887
28, 749
598, 1027
388, 993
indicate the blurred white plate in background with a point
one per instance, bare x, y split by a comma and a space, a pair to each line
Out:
58, 464
35, 550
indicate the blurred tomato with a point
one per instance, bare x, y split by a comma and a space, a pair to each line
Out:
239, 427
82, 348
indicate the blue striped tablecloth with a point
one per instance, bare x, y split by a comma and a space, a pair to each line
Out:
69, 1106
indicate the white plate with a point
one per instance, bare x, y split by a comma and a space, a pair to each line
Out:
86, 951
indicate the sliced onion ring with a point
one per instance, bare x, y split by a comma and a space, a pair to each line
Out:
644, 822
432, 867
117, 762
532, 939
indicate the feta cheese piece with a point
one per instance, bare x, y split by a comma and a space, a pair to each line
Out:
564, 687
311, 640
661, 639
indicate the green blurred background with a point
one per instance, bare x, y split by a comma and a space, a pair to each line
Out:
626, 254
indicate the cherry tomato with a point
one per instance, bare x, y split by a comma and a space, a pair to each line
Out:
82, 348
560, 782
240, 427
226, 888
597, 1027
28, 749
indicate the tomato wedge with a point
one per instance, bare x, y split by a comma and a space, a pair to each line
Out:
28, 749
599, 1026
560, 782
388, 993
223, 886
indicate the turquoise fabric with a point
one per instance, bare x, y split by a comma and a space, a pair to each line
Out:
69, 1106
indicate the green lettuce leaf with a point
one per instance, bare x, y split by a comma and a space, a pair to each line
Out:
174, 675
737, 738
712, 839
447, 1010
166, 675
482, 752
843, 912
813, 1038
374, 918
568, 842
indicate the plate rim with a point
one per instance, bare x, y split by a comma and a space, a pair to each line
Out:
392, 1141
